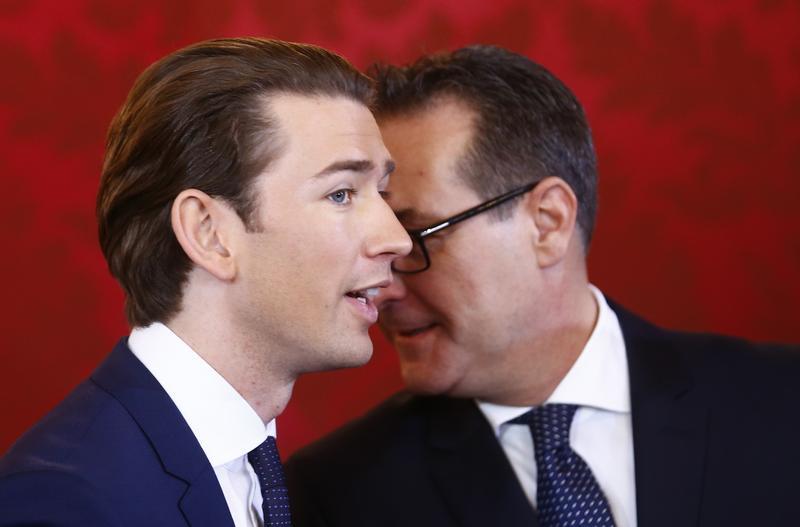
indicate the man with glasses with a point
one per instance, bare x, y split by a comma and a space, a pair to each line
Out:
532, 399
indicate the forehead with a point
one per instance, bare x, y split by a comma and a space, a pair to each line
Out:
428, 146
318, 130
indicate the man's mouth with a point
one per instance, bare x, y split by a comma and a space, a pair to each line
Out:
364, 295
363, 300
415, 331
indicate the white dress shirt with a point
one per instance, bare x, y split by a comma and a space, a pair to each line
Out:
225, 425
601, 431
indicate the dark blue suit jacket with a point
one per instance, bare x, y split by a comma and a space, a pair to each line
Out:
115, 452
716, 440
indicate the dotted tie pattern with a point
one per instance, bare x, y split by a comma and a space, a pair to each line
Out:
567, 493
267, 465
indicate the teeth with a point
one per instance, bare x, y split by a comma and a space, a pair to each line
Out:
363, 294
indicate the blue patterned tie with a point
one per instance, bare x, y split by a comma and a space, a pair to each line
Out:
267, 465
567, 493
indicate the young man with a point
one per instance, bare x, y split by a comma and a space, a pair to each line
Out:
241, 209
534, 400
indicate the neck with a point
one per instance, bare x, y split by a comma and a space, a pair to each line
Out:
265, 386
546, 357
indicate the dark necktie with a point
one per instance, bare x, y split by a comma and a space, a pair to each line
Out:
567, 493
267, 465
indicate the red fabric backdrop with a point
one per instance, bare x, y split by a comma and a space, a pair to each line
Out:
695, 108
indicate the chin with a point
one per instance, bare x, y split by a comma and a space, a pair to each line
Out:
351, 356
359, 360
423, 383
343, 355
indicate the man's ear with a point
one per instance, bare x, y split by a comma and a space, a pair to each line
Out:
553, 207
202, 226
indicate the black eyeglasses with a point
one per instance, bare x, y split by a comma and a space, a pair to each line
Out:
418, 259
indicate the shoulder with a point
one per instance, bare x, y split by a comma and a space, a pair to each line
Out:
392, 422
711, 361
701, 346
52, 497
50, 476
751, 369
58, 435
393, 436
82, 436
350, 466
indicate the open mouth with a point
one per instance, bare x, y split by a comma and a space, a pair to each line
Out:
363, 301
364, 295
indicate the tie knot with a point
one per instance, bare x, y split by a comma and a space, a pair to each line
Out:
266, 464
549, 424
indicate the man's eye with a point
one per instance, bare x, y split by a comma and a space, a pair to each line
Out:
342, 197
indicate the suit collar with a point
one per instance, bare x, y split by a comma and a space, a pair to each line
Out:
470, 469
669, 426
224, 423
126, 379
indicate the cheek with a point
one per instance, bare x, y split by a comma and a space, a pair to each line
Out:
473, 297
463, 275
327, 246
452, 294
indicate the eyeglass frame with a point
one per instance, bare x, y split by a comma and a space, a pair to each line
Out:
418, 235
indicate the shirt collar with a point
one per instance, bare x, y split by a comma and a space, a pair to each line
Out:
225, 425
598, 379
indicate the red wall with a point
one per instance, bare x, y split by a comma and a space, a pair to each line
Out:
695, 108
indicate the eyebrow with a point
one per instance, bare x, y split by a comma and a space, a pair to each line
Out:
354, 165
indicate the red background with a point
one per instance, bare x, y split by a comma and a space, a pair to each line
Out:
695, 108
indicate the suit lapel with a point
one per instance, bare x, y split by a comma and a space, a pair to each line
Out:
128, 381
669, 427
471, 470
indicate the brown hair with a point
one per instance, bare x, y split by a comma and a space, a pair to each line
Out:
529, 125
197, 118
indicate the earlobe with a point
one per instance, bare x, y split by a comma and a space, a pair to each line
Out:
553, 207
199, 223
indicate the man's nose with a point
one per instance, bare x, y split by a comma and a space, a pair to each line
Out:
387, 236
